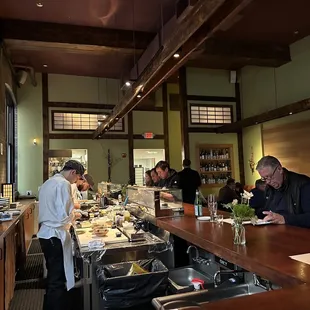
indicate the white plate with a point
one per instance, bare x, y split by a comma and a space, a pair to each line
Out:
204, 218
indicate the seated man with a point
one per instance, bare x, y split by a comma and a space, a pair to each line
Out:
287, 194
258, 200
155, 177
227, 193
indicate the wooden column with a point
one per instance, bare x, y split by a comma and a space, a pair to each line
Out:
45, 125
165, 120
184, 113
130, 148
239, 134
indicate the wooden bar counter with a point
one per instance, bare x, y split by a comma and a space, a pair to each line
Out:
15, 237
266, 253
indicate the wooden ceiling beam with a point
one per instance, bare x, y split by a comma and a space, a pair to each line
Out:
293, 108
73, 34
205, 18
269, 54
94, 50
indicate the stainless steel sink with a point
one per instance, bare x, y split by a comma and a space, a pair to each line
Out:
183, 276
205, 296
181, 280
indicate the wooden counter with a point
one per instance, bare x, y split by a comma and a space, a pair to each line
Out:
14, 242
266, 253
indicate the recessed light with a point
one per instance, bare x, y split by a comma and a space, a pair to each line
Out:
176, 55
39, 4
291, 113
127, 83
139, 96
45, 66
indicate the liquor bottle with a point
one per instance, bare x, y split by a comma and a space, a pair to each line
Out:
198, 205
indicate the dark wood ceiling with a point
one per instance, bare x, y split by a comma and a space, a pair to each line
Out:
105, 37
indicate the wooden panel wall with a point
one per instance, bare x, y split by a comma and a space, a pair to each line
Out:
290, 143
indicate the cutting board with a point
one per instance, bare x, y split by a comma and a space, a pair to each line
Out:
108, 239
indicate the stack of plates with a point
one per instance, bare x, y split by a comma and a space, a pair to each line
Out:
4, 201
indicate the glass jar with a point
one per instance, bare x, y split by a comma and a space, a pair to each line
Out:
238, 232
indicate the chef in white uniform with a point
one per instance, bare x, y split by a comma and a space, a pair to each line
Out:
56, 213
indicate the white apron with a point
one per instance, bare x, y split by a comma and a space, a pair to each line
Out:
64, 235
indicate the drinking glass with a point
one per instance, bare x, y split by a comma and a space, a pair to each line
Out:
211, 198
213, 211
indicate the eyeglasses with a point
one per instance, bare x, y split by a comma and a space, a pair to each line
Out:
265, 179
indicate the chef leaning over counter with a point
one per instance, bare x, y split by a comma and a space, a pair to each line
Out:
56, 213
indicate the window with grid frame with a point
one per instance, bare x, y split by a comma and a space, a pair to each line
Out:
210, 114
71, 121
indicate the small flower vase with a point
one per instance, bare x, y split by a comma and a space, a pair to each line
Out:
239, 232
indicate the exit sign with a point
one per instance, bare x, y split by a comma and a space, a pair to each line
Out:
148, 135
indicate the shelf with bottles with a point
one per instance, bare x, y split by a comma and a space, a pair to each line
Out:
215, 164
216, 154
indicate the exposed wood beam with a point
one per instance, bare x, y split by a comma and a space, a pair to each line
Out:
73, 34
200, 23
246, 53
130, 149
70, 48
184, 113
166, 120
87, 136
45, 118
284, 111
99, 106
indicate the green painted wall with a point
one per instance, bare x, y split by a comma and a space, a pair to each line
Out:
97, 161
208, 82
264, 89
70, 88
252, 140
29, 127
145, 121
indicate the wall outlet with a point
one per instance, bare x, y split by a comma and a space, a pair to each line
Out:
28, 193
1, 148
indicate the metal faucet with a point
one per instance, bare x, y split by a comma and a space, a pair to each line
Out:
215, 277
193, 247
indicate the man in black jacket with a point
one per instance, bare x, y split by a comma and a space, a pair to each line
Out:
169, 178
190, 181
287, 194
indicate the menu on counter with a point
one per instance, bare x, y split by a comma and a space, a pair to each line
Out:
304, 258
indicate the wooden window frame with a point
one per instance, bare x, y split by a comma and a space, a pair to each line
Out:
81, 130
210, 106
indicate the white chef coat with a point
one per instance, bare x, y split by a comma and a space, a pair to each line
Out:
76, 195
55, 217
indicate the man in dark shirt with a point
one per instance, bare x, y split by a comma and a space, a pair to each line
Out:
258, 200
287, 194
227, 193
189, 182
169, 178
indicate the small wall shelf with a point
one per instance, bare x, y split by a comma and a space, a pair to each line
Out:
215, 164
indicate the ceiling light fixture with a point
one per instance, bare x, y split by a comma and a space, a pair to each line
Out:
39, 4
45, 66
128, 84
291, 113
296, 32
176, 55
139, 96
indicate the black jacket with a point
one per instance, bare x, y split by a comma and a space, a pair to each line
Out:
172, 180
189, 183
293, 182
292, 200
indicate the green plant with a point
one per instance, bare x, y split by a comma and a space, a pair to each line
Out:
241, 211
